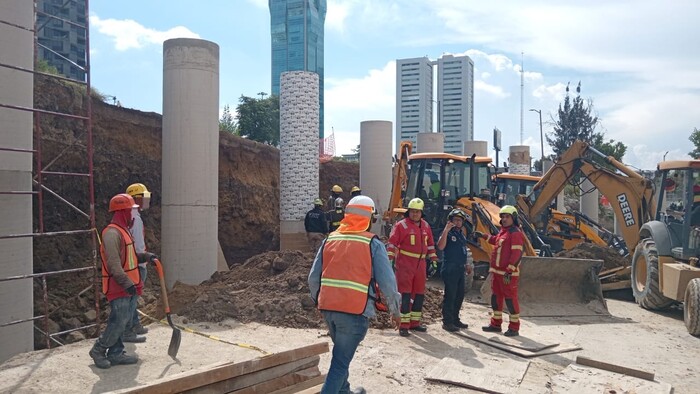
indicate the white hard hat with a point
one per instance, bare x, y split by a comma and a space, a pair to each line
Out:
362, 200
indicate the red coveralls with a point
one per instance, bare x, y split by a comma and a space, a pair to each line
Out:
505, 259
409, 245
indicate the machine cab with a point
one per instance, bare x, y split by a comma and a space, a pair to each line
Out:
679, 206
508, 186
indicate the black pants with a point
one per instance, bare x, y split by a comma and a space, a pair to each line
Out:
453, 276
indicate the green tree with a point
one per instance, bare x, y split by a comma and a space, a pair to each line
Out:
227, 123
44, 67
259, 119
695, 139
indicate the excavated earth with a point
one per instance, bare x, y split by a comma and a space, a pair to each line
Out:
584, 250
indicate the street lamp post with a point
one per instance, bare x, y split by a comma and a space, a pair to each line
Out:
539, 111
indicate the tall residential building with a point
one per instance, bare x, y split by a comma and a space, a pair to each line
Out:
296, 28
456, 97
414, 98
60, 43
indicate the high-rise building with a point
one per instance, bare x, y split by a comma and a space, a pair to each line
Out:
456, 97
455, 100
62, 44
414, 98
296, 28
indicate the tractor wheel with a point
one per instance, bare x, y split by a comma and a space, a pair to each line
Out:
691, 307
645, 277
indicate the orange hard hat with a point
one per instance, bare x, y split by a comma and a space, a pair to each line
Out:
121, 201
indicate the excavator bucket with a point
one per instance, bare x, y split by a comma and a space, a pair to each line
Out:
558, 287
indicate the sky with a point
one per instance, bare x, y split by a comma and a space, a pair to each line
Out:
638, 61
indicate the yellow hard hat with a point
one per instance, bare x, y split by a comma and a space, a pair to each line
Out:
138, 189
336, 189
509, 209
318, 201
355, 189
416, 203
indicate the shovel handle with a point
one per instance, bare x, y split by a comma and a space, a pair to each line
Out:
163, 290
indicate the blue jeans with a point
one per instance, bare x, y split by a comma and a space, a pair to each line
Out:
120, 312
347, 331
135, 321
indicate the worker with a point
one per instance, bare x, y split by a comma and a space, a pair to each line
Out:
316, 225
355, 191
142, 198
121, 282
456, 263
410, 243
336, 190
505, 271
336, 215
349, 261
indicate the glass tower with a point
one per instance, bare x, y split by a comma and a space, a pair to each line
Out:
61, 43
296, 27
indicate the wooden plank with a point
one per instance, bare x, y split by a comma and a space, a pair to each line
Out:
586, 380
620, 285
284, 382
610, 271
476, 372
615, 368
193, 379
312, 390
523, 343
251, 379
311, 386
560, 348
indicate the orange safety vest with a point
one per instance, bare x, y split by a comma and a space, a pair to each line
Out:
129, 261
347, 272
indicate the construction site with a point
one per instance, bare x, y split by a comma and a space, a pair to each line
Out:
606, 308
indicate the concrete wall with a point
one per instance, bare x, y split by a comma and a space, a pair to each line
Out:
481, 148
519, 159
589, 201
375, 164
299, 118
430, 142
190, 201
16, 88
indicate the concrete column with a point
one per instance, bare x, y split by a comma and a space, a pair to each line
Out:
16, 48
190, 216
299, 119
519, 159
560, 198
375, 164
430, 142
481, 148
589, 201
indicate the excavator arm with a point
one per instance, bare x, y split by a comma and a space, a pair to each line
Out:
400, 179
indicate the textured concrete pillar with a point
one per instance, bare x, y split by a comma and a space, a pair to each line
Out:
16, 88
430, 142
189, 226
560, 198
519, 159
481, 148
589, 201
299, 118
375, 164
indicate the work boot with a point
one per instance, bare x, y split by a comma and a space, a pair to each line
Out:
358, 390
123, 359
419, 328
511, 333
139, 330
459, 324
449, 327
133, 338
98, 356
404, 332
491, 328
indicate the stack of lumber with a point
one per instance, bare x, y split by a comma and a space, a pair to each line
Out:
617, 278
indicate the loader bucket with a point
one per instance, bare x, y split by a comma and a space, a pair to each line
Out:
554, 287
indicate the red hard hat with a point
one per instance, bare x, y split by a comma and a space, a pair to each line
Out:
121, 201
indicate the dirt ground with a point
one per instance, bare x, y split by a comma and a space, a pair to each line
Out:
384, 362
591, 251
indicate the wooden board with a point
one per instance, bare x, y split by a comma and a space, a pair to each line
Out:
523, 343
585, 380
623, 284
560, 348
312, 390
311, 386
615, 368
490, 373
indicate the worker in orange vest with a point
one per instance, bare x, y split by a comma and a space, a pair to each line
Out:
121, 282
350, 270
505, 271
410, 243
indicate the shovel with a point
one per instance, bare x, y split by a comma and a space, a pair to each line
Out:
177, 334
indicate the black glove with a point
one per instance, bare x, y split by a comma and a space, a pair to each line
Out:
478, 234
432, 269
131, 290
506, 278
150, 257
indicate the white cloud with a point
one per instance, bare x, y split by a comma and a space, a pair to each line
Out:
490, 89
259, 3
645, 158
129, 34
485, 75
552, 92
338, 12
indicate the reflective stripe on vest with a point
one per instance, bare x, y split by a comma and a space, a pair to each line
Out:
409, 254
346, 273
129, 260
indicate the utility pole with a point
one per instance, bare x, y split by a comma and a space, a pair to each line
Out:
522, 94
539, 112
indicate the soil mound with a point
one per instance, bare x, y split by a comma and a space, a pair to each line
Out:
586, 250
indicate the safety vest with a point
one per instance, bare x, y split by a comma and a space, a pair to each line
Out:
129, 262
346, 273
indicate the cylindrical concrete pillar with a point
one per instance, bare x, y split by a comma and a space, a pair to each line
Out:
16, 175
519, 160
589, 201
560, 198
375, 164
481, 148
430, 142
190, 216
299, 123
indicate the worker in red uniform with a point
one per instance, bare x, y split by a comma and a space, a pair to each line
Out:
410, 243
505, 271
